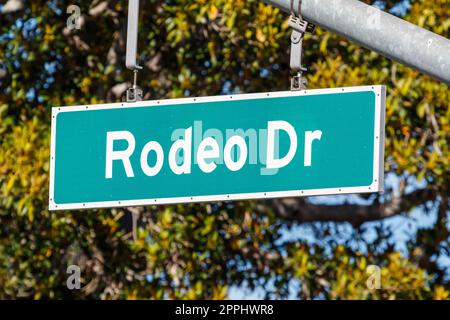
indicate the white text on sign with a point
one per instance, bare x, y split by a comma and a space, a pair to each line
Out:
208, 154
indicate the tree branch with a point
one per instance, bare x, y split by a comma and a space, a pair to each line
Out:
300, 211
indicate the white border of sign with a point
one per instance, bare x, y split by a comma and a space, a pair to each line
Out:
378, 173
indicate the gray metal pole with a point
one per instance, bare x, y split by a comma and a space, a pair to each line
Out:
134, 93
132, 34
379, 31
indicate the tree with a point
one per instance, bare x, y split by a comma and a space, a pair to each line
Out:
199, 251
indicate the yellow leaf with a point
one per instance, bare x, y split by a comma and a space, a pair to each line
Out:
260, 35
213, 12
441, 294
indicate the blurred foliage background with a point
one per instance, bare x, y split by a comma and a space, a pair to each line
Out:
198, 48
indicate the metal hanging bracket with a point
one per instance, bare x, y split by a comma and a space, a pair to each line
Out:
299, 28
135, 93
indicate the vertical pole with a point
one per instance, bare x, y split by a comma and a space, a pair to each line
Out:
132, 34
134, 93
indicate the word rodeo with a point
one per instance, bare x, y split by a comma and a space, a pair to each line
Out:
208, 152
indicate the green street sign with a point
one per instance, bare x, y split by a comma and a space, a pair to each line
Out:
250, 146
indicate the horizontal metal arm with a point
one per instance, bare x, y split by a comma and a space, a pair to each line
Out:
379, 31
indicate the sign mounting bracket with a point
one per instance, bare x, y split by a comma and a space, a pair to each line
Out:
299, 28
